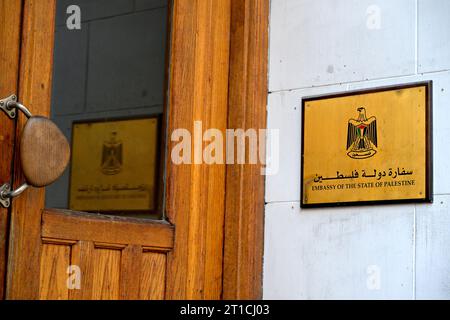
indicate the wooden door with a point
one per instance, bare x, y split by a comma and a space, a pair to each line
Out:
182, 255
10, 14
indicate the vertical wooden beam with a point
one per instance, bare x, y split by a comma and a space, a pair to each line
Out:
35, 92
244, 219
10, 17
130, 272
196, 192
82, 256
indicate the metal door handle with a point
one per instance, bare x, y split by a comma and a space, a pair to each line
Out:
44, 151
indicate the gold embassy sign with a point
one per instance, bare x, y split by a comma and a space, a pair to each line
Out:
367, 146
114, 166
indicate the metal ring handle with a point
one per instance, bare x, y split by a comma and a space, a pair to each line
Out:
9, 105
16, 105
6, 194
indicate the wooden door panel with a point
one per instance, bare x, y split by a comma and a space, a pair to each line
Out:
199, 67
153, 276
69, 225
117, 258
130, 259
10, 17
55, 259
106, 273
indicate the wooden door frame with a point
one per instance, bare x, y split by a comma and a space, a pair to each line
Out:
10, 15
245, 190
218, 75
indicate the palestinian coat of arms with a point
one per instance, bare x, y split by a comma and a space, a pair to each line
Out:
362, 138
112, 159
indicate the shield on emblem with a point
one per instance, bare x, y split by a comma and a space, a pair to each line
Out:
112, 155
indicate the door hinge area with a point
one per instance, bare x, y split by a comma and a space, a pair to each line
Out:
5, 201
5, 105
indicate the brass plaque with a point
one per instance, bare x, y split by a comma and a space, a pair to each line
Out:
365, 147
114, 166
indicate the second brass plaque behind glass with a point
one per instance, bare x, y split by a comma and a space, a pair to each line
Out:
109, 83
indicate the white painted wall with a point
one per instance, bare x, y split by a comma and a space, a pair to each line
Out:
322, 46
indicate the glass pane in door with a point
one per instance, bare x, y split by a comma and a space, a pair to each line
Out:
108, 98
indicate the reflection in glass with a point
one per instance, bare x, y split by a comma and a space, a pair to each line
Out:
108, 99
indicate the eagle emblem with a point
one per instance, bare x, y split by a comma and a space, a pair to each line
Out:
362, 138
112, 155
